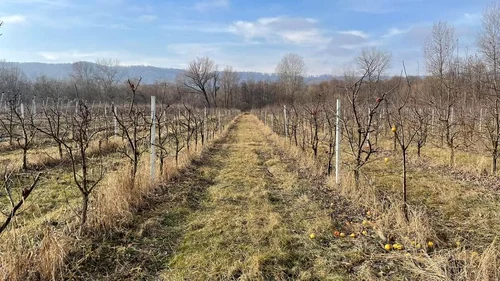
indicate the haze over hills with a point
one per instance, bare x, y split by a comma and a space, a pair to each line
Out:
150, 74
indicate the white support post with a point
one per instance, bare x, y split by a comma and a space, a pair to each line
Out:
432, 122
285, 121
22, 110
480, 120
33, 109
265, 117
368, 133
337, 144
76, 107
115, 120
218, 121
153, 138
205, 125
1, 99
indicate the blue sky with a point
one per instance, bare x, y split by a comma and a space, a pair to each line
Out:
248, 35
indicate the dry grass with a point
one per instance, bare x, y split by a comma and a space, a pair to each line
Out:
443, 210
35, 251
256, 220
27, 257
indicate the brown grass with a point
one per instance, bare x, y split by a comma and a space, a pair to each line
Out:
444, 261
38, 252
28, 257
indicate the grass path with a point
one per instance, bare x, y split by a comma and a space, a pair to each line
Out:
255, 221
242, 212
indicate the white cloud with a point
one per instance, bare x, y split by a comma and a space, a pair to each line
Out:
394, 32
299, 31
357, 33
76, 55
468, 19
211, 4
377, 6
200, 49
148, 18
13, 19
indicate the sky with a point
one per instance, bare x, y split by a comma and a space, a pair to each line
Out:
249, 35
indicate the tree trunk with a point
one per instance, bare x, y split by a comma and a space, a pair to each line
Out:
405, 205
25, 160
59, 147
195, 136
452, 155
356, 177
494, 160
85, 203
161, 163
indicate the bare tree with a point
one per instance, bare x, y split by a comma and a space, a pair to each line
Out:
439, 52
489, 46
84, 78
26, 137
291, 71
360, 92
404, 129
133, 125
8, 184
229, 81
107, 76
201, 77
14, 86
84, 132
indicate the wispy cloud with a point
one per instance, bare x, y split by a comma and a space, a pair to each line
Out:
13, 19
395, 32
76, 55
468, 19
299, 31
211, 4
200, 49
357, 33
377, 6
148, 18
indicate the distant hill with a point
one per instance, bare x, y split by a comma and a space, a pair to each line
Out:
150, 74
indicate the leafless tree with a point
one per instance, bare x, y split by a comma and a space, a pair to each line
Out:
107, 76
84, 78
202, 78
439, 53
8, 185
84, 132
14, 86
360, 91
489, 46
229, 81
133, 125
399, 117
25, 139
291, 71
178, 137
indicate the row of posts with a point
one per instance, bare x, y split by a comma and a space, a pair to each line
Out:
338, 135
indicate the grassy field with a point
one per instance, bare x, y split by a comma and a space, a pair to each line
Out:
255, 207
